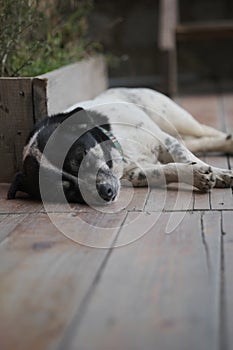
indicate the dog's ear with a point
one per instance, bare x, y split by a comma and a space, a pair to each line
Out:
87, 119
82, 117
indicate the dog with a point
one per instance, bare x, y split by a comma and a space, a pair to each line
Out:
135, 134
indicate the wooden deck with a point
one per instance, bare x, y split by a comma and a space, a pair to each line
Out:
168, 287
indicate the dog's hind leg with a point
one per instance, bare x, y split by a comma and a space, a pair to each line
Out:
210, 144
172, 150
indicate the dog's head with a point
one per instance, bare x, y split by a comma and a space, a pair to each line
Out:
92, 165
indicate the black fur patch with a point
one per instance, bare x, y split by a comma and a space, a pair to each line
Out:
89, 138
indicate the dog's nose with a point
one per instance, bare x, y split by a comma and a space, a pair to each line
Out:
107, 192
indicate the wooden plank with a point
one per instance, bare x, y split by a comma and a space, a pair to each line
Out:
173, 198
139, 199
16, 119
204, 30
8, 223
74, 83
204, 108
40, 108
94, 229
201, 199
17, 206
221, 198
129, 199
156, 200
159, 293
227, 281
218, 198
45, 278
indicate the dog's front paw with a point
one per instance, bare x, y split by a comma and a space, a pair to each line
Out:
203, 177
224, 179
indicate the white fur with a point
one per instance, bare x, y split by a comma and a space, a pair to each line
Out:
154, 132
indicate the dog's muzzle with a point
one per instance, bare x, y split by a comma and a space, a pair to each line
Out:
107, 192
108, 185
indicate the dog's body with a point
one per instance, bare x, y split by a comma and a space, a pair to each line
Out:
153, 145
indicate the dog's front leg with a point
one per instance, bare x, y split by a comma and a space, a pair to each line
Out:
171, 150
157, 175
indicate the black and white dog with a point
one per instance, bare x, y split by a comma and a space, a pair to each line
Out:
135, 134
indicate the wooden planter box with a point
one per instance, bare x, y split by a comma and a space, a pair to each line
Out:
23, 101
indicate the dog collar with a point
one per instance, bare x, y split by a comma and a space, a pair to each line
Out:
113, 139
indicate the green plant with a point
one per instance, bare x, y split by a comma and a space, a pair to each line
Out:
38, 36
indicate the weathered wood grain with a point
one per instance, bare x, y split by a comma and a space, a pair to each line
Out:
130, 199
17, 206
45, 278
160, 292
202, 200
139, 199
39, 95
221, 198
156, 200
8, 223
93, 229
173, 198
227, 282
16, 120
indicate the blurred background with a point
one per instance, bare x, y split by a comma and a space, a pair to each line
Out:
136, 33
168, 45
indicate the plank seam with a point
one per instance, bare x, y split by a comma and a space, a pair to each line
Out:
223, 336
204, 242
210, 201
146, 201
74, 325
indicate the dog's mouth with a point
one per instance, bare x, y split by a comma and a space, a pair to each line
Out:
98, 192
